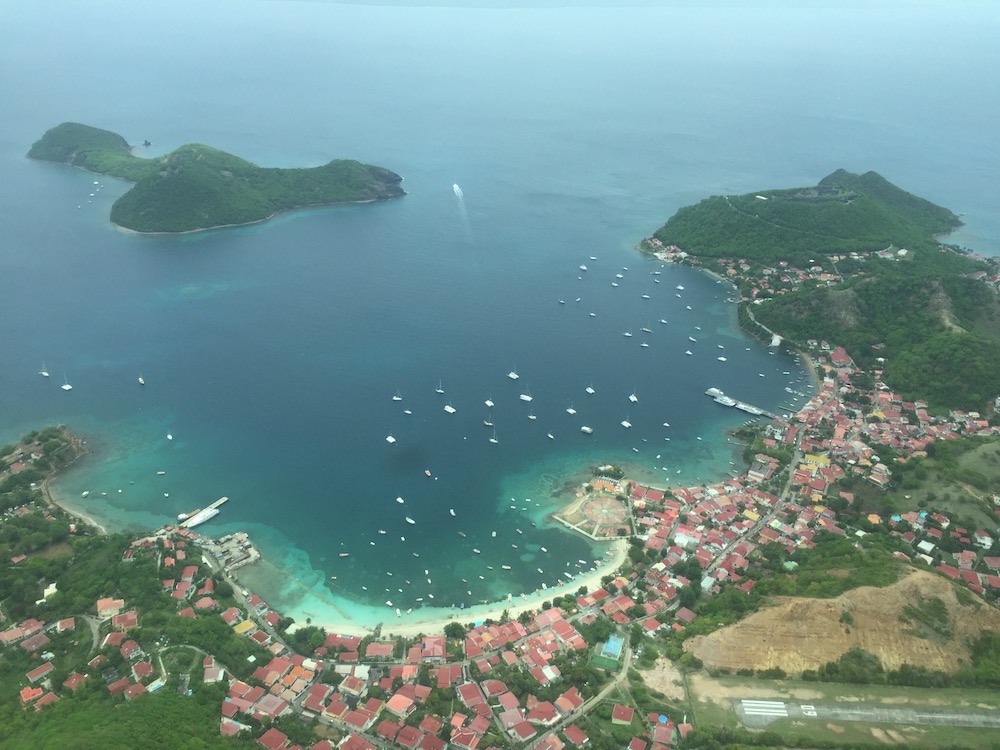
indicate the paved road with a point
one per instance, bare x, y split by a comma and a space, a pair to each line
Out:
760, 713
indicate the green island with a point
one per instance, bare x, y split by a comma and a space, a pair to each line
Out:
198, 187
855, 260
842, 592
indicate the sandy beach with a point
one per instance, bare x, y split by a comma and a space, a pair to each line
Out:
432, 620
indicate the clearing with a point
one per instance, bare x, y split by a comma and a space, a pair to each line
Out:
918, 620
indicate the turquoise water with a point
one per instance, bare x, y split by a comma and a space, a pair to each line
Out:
271, 352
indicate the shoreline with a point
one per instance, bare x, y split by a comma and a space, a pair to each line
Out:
432, 620
137, 233
80, 446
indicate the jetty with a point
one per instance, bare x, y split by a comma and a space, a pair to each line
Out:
722, 399
203, 515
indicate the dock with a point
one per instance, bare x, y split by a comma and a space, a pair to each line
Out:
722, 399
203, 515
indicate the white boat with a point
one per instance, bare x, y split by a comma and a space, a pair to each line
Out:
633, 398
531, 416
142, 380
475, 550
583, 267
452, 511
43, 372
645, 296
398, 613
84, 493
410, 521
449, 408
390, 439
571, 410
614, 283
170, 436
398, 396
544, 550
160, 473
488, 422
525, 397
590, 390
400, 500
663, 321
680, 287
626, 424
688, 352
457, 190
505, 567
646, 330
513, 375
721, 359
440, 388
494, 438
489, 403
619, 276
627, 334
587, 430
66, 386
494, 535
407, 412
644, 345
550, 436
692, 338
381, 531
593, 315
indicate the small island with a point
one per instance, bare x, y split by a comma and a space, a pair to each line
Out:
197, 187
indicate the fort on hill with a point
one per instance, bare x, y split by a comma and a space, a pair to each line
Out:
198, 187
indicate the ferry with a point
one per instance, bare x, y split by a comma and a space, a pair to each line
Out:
204, 515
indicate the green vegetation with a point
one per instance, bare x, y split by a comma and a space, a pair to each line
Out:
957, 478
199, 187
845, 212
937, 329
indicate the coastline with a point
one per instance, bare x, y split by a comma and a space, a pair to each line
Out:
137, 233
80, 447
432, 620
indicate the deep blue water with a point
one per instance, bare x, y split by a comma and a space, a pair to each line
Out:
271, 352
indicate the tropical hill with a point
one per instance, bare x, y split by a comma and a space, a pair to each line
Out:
855, 261
199, 187
845, 212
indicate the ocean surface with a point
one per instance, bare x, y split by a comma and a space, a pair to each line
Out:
272, 353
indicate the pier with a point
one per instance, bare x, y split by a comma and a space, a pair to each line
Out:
721, 398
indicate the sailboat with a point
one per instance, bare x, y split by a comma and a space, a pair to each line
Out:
526, 396
142, 380
494, 438
43, 372
398, 396
633, 398
590, 390
513, 375
488, 422
626, 424
570, 409
66, 386
440, 388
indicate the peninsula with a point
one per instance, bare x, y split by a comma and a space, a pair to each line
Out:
198, 187
854, 260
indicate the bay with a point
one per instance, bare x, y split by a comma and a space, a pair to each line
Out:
271, 352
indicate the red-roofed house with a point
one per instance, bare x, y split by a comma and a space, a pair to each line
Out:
622, 714
272, 739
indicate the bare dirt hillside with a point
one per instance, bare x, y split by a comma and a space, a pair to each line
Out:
918, 621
